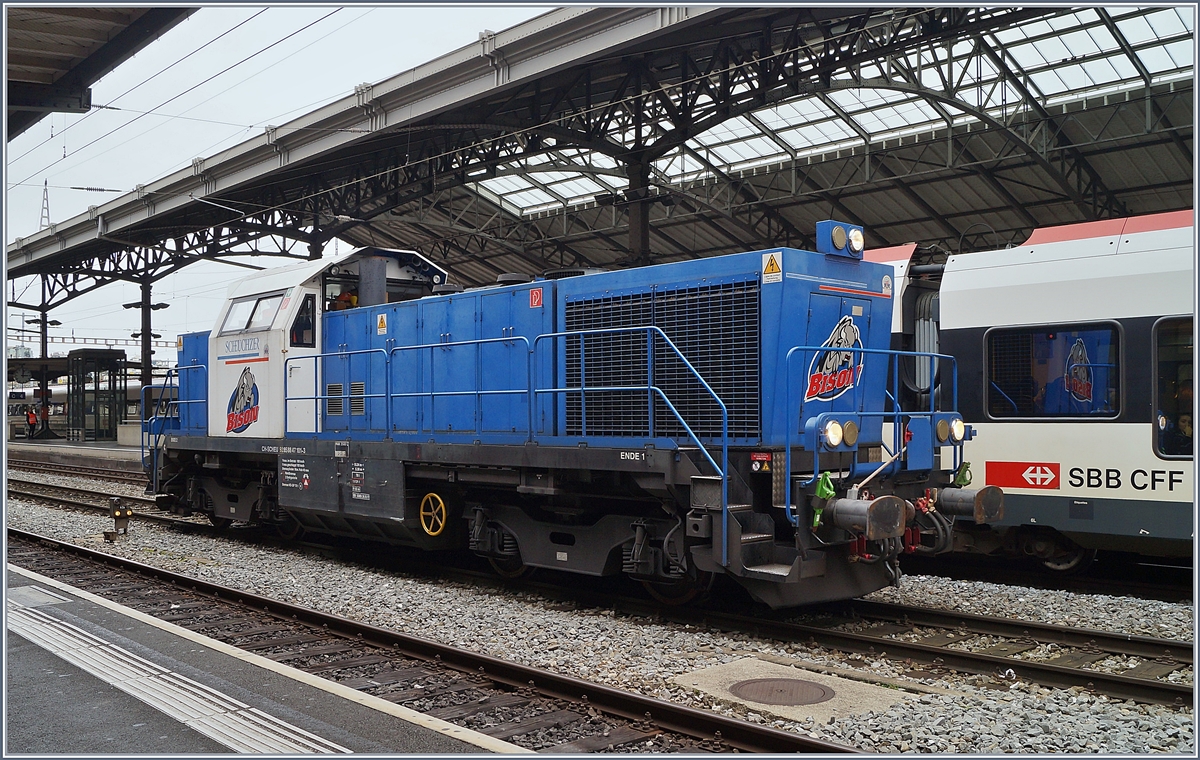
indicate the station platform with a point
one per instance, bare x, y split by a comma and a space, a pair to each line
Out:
87, 676
82, 453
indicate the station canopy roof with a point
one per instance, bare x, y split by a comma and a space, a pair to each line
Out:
1065, 61
960, 141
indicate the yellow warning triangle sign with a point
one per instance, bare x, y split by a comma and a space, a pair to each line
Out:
772, 266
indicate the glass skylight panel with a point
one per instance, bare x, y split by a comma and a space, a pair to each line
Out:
578, 187
1103, 39
1182, 53
1136, 30
731, 129
821, 133
1124, 67
1166, 23
1101, 71
1010, 35
1075, 77
1049, 82
1053, 49
504, 185
1156, 59
1080, 42
530, 197
1026, 55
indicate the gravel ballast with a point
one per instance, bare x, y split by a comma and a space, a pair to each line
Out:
641, 655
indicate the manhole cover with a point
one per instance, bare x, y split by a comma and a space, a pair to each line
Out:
781, 691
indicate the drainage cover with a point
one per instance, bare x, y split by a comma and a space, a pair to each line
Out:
781, 691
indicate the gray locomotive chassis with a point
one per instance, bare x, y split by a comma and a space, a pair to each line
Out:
382, 510
596, 547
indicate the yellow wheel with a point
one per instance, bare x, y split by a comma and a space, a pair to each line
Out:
433, 514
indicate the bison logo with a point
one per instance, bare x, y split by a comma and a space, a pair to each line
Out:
1078, 372
832, 371
243, 404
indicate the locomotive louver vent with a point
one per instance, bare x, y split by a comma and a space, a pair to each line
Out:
333, 404
358, 404
717, 329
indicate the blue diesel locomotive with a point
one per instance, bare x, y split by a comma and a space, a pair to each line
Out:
730, 415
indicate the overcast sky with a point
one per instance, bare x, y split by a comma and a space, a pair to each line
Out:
149, 137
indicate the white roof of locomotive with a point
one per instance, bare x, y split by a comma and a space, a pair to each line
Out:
1111, 269
292, 275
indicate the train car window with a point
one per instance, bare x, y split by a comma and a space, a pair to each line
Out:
302, 327
1173, 392
1054, 371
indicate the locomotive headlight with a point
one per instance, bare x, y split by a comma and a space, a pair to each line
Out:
833, 433
856, 240
839, 237
943, 430
958, 430
850, 433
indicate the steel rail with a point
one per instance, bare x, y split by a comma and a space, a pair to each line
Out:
124, 476
684, 720
1117, 643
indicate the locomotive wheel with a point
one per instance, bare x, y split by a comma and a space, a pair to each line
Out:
220, 523
289, 528
510, 567
681, 592
1072, 562
433, 514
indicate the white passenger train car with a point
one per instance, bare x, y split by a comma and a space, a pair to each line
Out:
1075, 364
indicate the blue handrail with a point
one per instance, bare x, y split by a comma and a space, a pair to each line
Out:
895, 414
478, 393
345, 394
149, 424
651, 331
531, 391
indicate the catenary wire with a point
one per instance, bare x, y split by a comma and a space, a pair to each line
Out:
190, 89
144, 81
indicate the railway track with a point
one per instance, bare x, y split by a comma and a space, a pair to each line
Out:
100, 473
1111, 575
502, 699
931, 641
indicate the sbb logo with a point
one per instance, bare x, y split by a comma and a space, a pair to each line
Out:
1041, 475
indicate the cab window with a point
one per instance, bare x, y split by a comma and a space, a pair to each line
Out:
1054, 372
1173, 388
252, 314
302, 327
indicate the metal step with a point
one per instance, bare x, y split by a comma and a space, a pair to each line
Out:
752, 537
774, 568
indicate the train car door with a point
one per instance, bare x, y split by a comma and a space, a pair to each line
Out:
303, 323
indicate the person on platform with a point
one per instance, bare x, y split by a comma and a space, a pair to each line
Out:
31, 420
